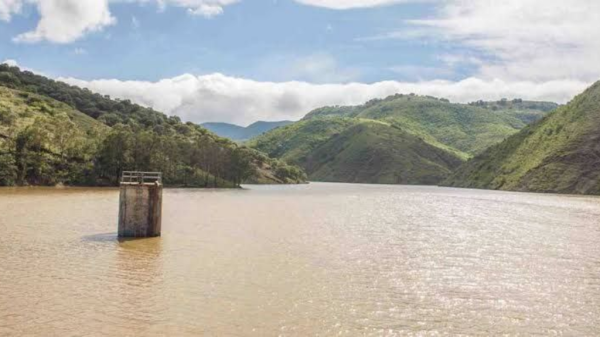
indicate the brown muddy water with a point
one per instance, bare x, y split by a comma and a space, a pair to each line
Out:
321, 259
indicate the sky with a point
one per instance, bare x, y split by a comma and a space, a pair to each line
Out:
240, 61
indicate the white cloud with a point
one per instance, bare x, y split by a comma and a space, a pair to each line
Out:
10, 62
531, 49
64, 21
205, 8
9, 7
536, 40
217, 97
14, 63
349, 4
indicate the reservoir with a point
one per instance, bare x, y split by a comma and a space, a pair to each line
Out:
318, 259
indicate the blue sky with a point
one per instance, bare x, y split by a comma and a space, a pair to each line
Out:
246, 40
243, 60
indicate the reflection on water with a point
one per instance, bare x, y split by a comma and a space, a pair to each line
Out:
322, 259
104, 237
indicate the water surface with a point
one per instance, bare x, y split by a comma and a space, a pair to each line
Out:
322, 259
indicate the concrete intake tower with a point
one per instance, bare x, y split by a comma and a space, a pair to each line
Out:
140, 204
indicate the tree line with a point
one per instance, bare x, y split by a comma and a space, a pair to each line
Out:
56, 149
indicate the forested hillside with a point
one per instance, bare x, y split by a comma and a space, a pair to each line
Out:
53, 133
403, 134
526, 111
341, 149
469, 129
376, 152
560, 153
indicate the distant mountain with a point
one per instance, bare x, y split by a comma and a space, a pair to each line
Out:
240, 133
560, 153
404, 139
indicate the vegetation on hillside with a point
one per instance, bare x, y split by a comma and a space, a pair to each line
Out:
53, 133
341, 149
376, 152
526, 111
466, 128
327, 142
295, 142
560, 153
43, 141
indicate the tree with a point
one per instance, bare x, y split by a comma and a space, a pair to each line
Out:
241, 167
115, 155
30, 154
8, 167
61, 148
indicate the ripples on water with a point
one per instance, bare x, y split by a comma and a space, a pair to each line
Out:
323, 259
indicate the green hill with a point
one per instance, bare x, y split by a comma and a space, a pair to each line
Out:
526, 111
53, 133
295, 142
375, 152
341, 149
469, 129
560, 153
398, 136
43, 141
